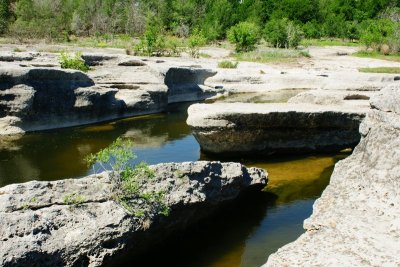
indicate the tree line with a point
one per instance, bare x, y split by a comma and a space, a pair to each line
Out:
58, 19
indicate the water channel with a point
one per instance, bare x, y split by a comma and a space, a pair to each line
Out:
243, 235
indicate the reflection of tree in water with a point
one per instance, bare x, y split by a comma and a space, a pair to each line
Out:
59, 154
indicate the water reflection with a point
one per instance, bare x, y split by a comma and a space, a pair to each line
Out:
244, 234
60, 154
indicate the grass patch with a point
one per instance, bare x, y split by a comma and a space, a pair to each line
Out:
328, 42
391, 70
226, 64
204, 55
266, 55
378, 55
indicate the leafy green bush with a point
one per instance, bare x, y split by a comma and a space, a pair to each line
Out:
283, 33
151, 43
127, 179
226, 64
73, 62
195, 41
244, 35
377, 32
312, 29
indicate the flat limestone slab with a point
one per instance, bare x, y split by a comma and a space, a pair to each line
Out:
275, 128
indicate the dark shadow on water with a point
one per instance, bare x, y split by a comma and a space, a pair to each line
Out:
202, 244
247, 231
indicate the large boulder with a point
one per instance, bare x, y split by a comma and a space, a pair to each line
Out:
77, 222
356, 222
274, 128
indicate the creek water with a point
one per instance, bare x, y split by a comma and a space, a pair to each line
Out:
244, 234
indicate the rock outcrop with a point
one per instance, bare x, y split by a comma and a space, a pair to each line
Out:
274, 128
187, 84
44, 98
356, 222
42, 227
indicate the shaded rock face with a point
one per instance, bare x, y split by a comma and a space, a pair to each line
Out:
356, 220
52, 98
187, 84
40, 229
274, 128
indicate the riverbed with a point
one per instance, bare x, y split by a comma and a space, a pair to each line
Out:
242, 235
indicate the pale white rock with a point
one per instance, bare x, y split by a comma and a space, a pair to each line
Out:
356, 222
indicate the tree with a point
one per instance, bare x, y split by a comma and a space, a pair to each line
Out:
4, 15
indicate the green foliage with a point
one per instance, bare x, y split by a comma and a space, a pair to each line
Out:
4, 15
375, 33
73, 199
312, 29
127, 179
60, 19
226, 64
195, 41
244, 35
73, 62
282, 33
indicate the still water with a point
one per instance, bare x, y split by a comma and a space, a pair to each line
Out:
245, 234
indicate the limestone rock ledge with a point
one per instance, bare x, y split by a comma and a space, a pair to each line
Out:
356, 222
274, 128
39, 229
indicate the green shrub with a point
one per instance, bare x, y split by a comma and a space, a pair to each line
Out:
374, 33
283, 33
151, 43
73, 62
226, 64
127, 179
312, 29
195, 41
244, 35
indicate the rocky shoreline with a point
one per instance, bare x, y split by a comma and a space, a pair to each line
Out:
356, 220
35, 94
41, 228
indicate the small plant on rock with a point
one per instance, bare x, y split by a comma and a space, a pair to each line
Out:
73, 62
128, 180
73, 199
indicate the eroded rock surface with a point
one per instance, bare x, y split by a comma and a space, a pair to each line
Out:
42, 96
356, 222
274, 128
40, 229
